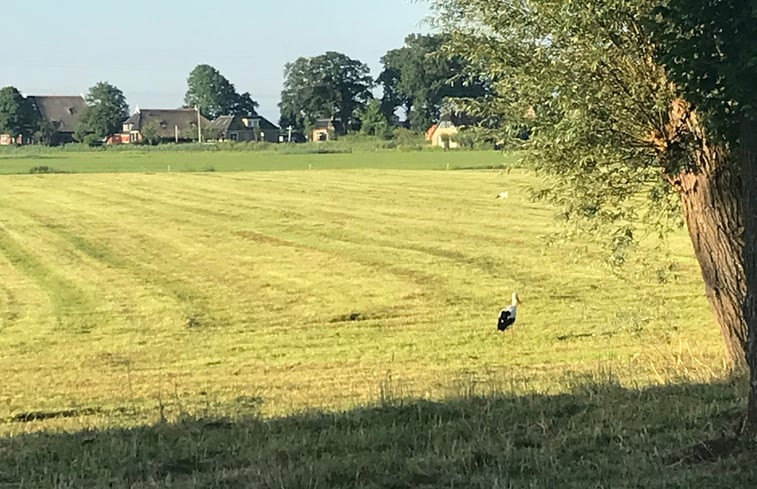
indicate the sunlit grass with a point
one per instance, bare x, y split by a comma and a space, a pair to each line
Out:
336, 328
125, 292
55, 160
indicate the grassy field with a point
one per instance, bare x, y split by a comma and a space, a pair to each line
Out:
23, 160
175, 330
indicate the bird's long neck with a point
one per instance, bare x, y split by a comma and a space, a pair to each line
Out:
515, 301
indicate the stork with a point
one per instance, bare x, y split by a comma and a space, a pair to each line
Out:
507, 315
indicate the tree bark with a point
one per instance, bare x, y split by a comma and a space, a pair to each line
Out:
711, 199
748, 166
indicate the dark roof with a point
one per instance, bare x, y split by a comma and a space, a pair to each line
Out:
265, 124
223, 122
165, 120
237, 123
62, 111
329, 124
323, 124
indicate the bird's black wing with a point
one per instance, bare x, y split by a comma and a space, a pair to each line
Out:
505, 320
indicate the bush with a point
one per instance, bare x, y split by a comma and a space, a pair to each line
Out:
405, 137
92, 141
44, 169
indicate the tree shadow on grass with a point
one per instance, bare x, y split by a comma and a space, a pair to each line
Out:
596, 436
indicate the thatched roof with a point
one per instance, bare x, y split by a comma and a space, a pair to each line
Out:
166, 120
62, 111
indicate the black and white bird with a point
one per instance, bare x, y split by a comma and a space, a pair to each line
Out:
508, 314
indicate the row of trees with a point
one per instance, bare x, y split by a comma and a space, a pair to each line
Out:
630, 98
416, 79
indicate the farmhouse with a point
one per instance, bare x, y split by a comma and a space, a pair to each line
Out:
244, 128
326, 129
443, 134
61, 112
152, 125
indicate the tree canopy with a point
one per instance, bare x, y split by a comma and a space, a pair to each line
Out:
17, 115
105, 112
420, 75
328, 86
373, 121
709, 49
214, 95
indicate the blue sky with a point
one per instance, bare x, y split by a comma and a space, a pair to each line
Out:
147, 48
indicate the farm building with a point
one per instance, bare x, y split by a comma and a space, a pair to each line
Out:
326, 129
443, 134
160, 125
244, 128
61, 112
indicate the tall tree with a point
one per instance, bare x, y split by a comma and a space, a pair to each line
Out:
105, 112
214, 95
419, 76
17, 116
244, 105
373, 120
608, 121
709, 48
331, 85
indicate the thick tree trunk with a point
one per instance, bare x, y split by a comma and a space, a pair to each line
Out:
748, 166
712, 206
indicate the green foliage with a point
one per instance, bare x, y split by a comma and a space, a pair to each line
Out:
244, 105
150, 133
43, 169
419, 76
92, 140
373, 120
189, 133
211, 133
406, 137
105, 113
45, 133
329, 86
581, 77
709, 48
17, 116
214, 95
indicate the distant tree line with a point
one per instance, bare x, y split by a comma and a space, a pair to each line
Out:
419, 82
